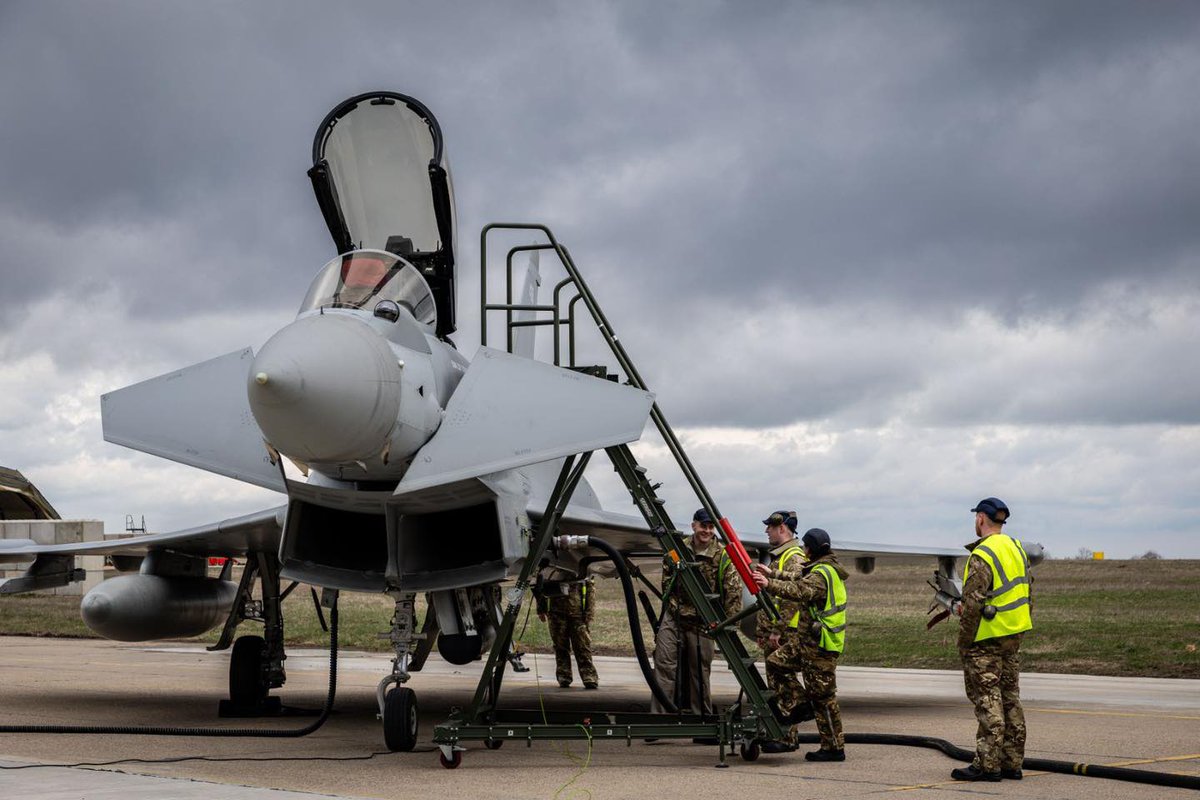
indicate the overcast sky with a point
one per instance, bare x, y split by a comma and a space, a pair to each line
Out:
878, 260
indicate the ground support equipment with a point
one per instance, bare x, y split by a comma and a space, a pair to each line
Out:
747, 723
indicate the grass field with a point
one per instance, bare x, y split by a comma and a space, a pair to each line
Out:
1091, 617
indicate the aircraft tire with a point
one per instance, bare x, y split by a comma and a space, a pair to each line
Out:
400, 719
247, 689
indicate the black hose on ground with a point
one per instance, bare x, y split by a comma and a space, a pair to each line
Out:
1040, 764
635, 628
132, 730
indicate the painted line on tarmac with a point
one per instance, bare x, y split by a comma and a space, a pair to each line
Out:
1161, 759
1081, 712
943, 783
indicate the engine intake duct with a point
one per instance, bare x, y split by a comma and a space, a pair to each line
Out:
461, 547
333, 547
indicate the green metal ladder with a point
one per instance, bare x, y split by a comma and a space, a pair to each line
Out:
748, 722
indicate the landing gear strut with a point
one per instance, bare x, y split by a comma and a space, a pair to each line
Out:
398, 706
256, 662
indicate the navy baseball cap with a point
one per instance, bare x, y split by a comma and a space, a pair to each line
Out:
702, 515
991, 507
817, 540
782, 518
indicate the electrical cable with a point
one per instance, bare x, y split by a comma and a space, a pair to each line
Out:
635, 628
136, 730
1040, 764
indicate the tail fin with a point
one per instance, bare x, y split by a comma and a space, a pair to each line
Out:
525, 338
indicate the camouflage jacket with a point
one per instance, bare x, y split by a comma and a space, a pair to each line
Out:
573, 599
708, 564
787, 608
807, 589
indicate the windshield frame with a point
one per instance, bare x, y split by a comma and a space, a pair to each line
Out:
401, 283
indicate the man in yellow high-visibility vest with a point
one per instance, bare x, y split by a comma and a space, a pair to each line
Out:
821, 637
786, 561
995, 613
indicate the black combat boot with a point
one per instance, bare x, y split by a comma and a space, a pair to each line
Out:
1013, 774
825, 755
974, 773
778, 747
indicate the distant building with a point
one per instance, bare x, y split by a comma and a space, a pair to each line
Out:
20, 499
25, 514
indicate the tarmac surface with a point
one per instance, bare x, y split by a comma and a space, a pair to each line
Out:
1150, 724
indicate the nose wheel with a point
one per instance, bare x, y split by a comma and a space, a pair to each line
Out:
400, 720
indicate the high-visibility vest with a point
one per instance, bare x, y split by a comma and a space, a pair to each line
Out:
794, 622
832, 617
1010, 586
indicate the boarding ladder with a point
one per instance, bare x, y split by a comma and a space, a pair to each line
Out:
747, 723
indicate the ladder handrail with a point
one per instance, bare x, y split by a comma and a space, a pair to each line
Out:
725, 530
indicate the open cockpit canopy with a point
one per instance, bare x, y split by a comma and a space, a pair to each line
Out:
383, 183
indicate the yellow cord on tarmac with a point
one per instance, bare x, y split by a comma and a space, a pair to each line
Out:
583, 763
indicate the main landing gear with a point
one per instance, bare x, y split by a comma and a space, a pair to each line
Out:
256, 662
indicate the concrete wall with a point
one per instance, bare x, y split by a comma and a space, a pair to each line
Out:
67, 531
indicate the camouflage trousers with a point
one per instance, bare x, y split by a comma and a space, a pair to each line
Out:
818, 669
571, 632
681, 650
783, 667
991, 672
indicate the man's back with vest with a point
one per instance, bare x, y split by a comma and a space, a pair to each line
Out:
995, 614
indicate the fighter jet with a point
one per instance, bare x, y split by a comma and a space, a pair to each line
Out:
425, 473
407, 468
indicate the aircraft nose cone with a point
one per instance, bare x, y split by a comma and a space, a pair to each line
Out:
326, 389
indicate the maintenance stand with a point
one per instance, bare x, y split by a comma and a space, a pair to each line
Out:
748, 722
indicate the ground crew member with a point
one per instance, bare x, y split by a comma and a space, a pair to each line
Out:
821, 636
787, 559
995, 613
679, 647
568, 607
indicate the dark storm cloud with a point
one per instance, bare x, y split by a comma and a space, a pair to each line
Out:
904, 250
716, 158
971, 156
936, 153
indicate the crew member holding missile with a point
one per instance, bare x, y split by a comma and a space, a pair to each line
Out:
821, 636
787, 561
682, 654
995, 613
